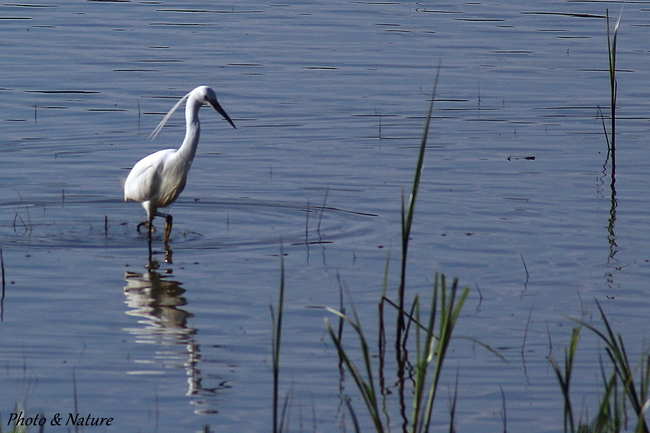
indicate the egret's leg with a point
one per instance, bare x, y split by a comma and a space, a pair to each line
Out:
150, 229
149, 225
168, 227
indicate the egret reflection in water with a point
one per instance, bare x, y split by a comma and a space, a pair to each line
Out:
157, 300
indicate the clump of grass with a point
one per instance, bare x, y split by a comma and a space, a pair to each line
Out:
620, 389
422, 334
432, 335
432, 339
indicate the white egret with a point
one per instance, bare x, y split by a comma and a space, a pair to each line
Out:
158, 179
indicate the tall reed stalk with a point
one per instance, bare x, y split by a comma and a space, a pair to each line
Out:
409, 212
613, 85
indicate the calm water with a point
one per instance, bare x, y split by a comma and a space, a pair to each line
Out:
329, 101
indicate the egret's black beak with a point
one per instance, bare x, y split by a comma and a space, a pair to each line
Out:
221, 111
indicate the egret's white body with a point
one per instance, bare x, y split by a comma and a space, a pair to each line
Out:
157, 180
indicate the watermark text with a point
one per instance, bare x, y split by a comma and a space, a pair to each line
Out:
72, 419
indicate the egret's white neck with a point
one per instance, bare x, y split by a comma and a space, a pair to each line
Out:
192, 130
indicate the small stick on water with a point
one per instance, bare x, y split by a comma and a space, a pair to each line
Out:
2, 269
307, 224
2, 297
307, 229
503, 411
74, 396
527, 274
16, 217
523, 343
139, 114
276, 321
322, 211
105, 226
29, 220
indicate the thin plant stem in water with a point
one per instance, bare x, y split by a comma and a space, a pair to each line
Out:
407, 215
613, 85
278, 421
2, 295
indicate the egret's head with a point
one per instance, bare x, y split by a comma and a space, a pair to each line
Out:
206, 96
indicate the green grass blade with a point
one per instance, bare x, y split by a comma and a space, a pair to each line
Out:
564, 378
449, 312
407, 214
365, 386
353, 415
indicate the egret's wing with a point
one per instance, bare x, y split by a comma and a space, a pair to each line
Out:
144, 180
166, 118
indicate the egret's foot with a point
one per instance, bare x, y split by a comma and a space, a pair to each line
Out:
146, 226
168, 254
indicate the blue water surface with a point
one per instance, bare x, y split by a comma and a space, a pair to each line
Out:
329, 99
